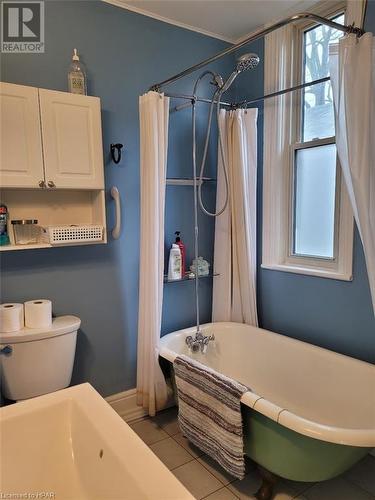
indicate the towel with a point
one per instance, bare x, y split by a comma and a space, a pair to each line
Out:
209, 413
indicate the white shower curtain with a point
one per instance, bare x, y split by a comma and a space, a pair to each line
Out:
154, 116
234, 291
352, 69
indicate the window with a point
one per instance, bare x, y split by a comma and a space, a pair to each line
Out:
314, 190
314, 201
318, 117
308, 223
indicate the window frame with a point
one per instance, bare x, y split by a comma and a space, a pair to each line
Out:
278, 184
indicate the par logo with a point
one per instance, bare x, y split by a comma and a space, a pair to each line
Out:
22, 27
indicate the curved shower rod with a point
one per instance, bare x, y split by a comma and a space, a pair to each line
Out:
244, 103
255, 36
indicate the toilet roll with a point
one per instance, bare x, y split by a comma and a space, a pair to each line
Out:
38, 313
11, 317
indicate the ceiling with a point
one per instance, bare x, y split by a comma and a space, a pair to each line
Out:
228, 20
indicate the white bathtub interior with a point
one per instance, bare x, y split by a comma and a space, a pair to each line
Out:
72, 444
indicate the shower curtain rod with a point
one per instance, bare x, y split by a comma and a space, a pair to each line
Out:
255, 36
244, 103
192, 98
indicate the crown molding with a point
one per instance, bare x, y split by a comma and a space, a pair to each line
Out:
303, 6
144, 12
321, 7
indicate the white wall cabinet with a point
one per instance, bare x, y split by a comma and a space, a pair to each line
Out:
51, 163
21, 141
50, 139
72, 140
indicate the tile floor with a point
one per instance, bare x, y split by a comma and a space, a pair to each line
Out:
205, 479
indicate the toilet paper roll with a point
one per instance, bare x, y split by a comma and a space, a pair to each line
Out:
38, 313
11, 317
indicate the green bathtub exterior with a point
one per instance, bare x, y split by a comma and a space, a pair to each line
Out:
289, 454
292, 455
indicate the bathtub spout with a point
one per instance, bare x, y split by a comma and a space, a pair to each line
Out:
199, 342
192, 344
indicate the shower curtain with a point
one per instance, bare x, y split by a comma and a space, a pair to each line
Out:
154, 116
352, 69
234, 291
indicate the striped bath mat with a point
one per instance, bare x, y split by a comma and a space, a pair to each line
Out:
209, 413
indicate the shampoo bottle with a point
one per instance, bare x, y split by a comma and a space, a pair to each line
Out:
174, 268
181, 245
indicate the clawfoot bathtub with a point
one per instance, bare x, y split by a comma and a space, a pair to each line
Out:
309, 414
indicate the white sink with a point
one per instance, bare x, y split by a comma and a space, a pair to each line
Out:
72, 445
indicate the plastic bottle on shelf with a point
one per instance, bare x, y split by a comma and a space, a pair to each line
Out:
175, 261
4, 237
182, 247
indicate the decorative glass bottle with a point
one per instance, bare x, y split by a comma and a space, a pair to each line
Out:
77, 81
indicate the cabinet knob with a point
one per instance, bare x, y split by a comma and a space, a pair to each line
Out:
42, 184
51, 184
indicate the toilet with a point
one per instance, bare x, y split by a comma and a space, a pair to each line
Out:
36, 361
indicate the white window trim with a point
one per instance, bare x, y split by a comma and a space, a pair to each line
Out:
282, 47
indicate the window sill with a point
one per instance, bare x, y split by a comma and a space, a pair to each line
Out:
321, 273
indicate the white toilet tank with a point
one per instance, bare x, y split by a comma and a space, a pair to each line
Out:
36, 361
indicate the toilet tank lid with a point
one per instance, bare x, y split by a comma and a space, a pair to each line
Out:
60, 326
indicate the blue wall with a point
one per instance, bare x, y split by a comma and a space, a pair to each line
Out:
125, 53
333, 314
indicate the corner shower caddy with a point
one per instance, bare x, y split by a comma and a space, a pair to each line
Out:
181, 181
176, 181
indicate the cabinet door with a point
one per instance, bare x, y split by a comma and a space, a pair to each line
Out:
72, 140
21, 158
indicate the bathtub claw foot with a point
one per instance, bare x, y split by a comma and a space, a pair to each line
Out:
265, 492
269, 480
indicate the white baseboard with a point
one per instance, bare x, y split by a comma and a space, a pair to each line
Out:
125, 404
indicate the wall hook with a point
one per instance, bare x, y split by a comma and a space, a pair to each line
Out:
116, 152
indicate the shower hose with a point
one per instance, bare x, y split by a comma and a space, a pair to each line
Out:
199, 181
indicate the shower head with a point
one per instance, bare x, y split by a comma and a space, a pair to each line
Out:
244, 62
247, 61
217, 80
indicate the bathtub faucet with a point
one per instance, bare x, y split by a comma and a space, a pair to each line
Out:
199, 342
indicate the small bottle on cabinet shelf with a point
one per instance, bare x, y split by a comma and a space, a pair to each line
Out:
77, 81
4, 237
